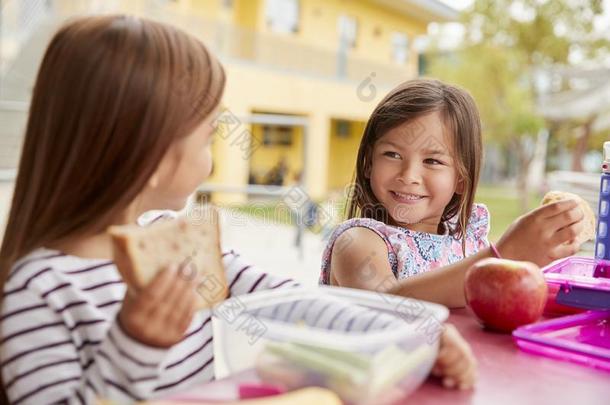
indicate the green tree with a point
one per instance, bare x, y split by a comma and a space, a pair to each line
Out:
507, 43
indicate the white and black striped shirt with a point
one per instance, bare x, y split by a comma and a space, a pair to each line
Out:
60, 340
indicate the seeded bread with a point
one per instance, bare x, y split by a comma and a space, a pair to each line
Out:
589, 220
191, 241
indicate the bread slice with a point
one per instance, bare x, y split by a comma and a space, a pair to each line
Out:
589, 220
191, 241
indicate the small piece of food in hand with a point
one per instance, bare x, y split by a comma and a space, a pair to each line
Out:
192, 242
589, 220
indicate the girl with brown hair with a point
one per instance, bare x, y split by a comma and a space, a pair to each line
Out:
121, 121
412, 207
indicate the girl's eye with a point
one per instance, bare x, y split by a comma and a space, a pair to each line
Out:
392, 155
433, 162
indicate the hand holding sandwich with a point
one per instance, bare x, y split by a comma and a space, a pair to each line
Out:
160, 313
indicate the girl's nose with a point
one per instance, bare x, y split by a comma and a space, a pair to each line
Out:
410, 174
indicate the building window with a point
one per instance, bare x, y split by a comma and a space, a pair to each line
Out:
342, 128
277, 135
400, 47
282, 15
348, 31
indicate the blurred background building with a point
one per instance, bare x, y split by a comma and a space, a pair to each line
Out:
303, 76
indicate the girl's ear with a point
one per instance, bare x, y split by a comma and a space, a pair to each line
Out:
153, 182
459, 188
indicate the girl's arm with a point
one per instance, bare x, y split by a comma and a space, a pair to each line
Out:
541, 236
362, 262
44, 362
444, 285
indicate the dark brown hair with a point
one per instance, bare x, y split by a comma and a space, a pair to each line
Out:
407, 102
112, 94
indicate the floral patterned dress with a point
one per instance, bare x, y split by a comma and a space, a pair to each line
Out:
411, 252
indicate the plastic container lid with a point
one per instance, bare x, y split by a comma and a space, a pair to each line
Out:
582, 339
395, 306
332, 347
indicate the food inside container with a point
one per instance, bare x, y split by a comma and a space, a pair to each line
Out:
368, 347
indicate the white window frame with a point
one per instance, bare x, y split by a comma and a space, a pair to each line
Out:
347, 26
283, 16
400, 47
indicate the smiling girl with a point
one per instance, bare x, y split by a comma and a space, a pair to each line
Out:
414, 228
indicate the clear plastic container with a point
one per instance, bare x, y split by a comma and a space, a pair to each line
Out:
368, 347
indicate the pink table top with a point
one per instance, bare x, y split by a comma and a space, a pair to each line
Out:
506, 376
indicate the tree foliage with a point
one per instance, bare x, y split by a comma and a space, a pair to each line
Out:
506, 46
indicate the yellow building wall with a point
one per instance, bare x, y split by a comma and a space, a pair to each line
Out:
342, 154
231, 156
80, 7
248, 14
243, 13
317, 100
179, 12
318, 27
252, 87
207, 8
318, 21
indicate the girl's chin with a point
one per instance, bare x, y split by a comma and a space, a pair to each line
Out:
406, 222
404, 214
403, 220
180, 205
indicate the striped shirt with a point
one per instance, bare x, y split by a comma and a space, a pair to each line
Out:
60, 342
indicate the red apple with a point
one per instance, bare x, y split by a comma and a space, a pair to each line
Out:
505, 294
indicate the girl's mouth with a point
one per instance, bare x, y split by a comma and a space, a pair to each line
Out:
407, 198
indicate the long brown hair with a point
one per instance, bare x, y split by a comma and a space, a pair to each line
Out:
405, 103
111, 95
